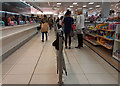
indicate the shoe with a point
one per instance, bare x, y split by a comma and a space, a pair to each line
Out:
69, 47
78, 47
42, 40
81, 46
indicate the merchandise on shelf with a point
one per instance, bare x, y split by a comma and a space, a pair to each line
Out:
2, 23
108, 35
117, 53
21, 22
11, 23
90, 37
107, 26
118, 36
112, 26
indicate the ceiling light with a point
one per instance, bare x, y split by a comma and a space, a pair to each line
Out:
71, 6
79, 8
97, 5
74, 3
55, 14
68, 8
84, 6
90, 8
91, 3
58, 3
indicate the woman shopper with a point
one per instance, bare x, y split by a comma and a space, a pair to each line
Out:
79, 28
68, 22
44, 27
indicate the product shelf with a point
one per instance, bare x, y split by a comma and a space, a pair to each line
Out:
107, 30
105, 38
117, 40
94, 42
104, 45
116, 57
91, 29
91, 34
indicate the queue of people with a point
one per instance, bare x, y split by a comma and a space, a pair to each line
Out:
66, 22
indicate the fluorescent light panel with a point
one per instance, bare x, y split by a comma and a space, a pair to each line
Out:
74, 3
97, 5
84, 5
58, 3
91, 3
71, 6
79, 8
90, 8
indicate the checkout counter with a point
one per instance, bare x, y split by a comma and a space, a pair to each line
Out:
13, 37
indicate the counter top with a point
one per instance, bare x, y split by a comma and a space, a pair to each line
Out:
11, 30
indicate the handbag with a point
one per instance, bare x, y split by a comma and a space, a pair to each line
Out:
44, 27
71, 33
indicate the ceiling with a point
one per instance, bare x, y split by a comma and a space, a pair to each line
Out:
52, 6
17, 7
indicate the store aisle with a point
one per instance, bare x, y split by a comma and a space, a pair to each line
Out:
35, 63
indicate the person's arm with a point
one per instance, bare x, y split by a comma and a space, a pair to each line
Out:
62, 23
78, 22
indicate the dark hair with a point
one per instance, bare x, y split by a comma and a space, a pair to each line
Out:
45, 16
61, 17
68, 12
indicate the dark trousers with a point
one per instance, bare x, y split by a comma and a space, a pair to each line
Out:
80, 39
66, 36
43, 35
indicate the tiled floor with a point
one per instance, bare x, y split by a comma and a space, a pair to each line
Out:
35, 63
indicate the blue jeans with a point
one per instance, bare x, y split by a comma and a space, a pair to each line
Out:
43, 35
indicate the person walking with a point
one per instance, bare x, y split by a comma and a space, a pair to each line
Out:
50, 21
79, 28
68, 22
44, 27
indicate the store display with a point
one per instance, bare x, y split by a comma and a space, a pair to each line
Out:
116, 51
118, 36
116, 54
2, 23
90, 35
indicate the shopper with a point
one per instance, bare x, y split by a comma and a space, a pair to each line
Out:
92, 19
68, 22
44, 27
61, 20
50, 21
79, 28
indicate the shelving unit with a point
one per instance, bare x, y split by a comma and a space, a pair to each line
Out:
117, 40
91, 33
104, 45
105, 38
116, 50
92, 42
117, 45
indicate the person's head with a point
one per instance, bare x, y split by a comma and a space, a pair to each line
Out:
61, 17
79, 11
68, 13
45, 16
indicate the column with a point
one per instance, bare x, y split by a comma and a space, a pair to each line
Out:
105, 9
